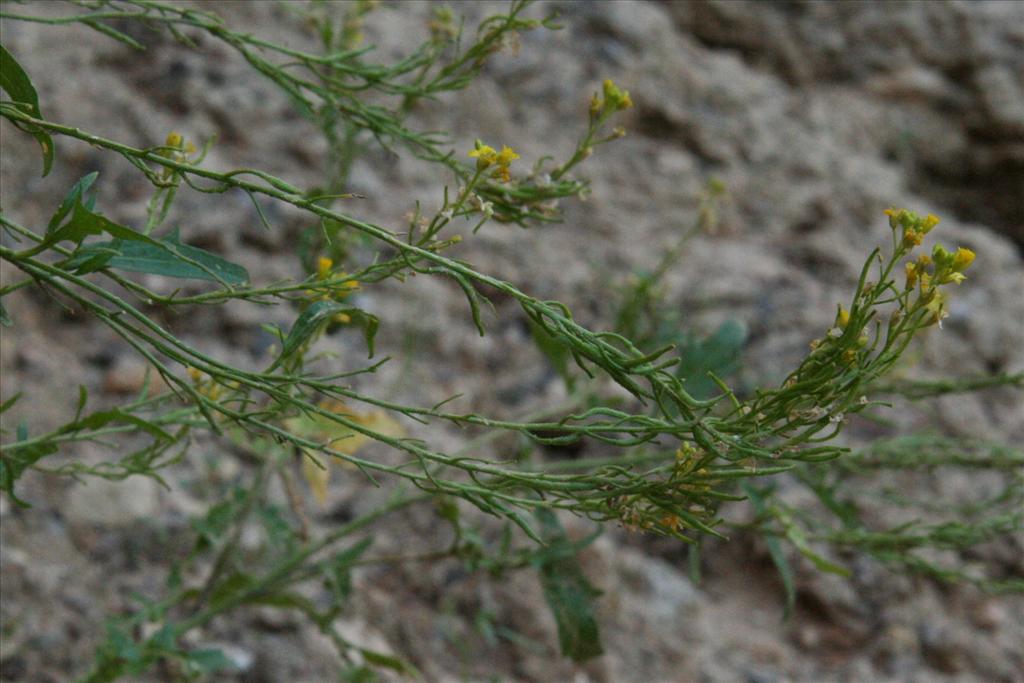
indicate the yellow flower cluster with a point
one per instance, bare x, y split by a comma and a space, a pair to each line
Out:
323, 267
913, 226
207, 387
442, 26
486, 156
323, 272
176, 148
180, 148
926, 272
948, 267
615, 99
842, 318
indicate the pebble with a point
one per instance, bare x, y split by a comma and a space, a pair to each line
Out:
112, 503
989, 615
899, 640
128, 376
941, 649
808, 636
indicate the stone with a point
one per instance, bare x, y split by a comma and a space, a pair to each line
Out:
112, 503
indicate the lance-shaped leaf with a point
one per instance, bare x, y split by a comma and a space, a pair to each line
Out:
85, 222
167, 256
13, 463
719, 353
567, 591
72, 198
18, 86
318, 314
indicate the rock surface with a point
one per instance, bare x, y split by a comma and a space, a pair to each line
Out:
816, 116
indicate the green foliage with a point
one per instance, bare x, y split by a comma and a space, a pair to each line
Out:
703, 361
169, 257
678, 448
567, 591
12, 466
16, 83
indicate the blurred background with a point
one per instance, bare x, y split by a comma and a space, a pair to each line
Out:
814, 116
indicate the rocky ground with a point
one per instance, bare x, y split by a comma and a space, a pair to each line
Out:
815, 116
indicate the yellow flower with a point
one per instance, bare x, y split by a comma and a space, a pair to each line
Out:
894, 217
926, 284
442, 26
672, 522
912, 272
963, 258
949, 267
323, 267
912, 238
843, 319
174, 139
929, 222
485, 155
616, 98
506, 156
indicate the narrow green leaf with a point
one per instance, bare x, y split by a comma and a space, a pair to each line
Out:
83, 397
775, 551
346, 557
368, 322
338, 570
279, 531
168, 257
568, 593
70, 200
556, 352
164, 639
785, 573
387, 661
212, 526
85, 222
88, 221
308, 323
210, 660
718, 353
797, 538
115, 34
9, 402
102, 418
122, 645
358, 674
16, 83
14, 462
229, 587
5, 319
